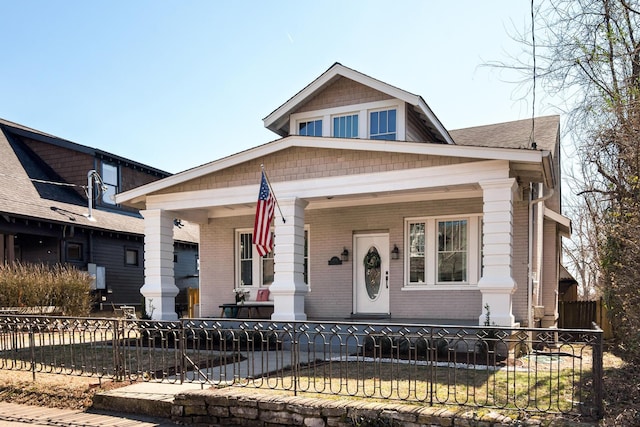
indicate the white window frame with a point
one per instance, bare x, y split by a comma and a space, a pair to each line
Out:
308, 120
378, 110
257, 268
338, 116
474, 254
362, 110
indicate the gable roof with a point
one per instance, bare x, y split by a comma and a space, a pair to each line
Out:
26, 191
37, 135
278, 120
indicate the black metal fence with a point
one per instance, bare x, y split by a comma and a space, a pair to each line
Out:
519, 369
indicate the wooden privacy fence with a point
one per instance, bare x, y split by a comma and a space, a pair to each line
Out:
581, 314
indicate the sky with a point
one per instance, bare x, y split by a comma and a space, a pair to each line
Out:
176, 84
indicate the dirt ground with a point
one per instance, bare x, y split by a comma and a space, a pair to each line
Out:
51, 390
621, 390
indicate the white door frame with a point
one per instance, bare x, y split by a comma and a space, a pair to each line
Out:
362, 302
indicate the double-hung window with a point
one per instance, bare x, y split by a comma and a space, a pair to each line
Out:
443, 251
452, 251
254, 270
345, 126
310, 128
382, 124
110, 180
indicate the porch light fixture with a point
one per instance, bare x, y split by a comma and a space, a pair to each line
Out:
395, 252
344, 256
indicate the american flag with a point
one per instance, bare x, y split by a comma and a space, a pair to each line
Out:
264, 215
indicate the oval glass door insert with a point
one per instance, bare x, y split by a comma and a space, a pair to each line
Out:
372, 273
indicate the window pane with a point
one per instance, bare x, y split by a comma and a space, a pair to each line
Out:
267, 271
383, 122
391, 121
109, 174
452, 251
416, 253
267, 266
345, 126
311, 128
246, 259
108, 193
373, 126
74, 252
383, 125
131, 257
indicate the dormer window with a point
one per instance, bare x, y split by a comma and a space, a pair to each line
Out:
370, 120
382, 125
345, 126
311, 128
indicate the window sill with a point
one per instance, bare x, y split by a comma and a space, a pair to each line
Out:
432, 287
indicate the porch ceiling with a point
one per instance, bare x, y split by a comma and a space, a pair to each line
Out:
340, 201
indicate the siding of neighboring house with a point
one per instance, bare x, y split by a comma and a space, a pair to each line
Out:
71, 165
308, 163
123, 281
341, 93
132, 177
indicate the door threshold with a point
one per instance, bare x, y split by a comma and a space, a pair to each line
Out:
372, 316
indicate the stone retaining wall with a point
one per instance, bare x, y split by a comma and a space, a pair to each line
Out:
234, 406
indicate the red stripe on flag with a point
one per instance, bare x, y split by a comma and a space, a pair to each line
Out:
264, 216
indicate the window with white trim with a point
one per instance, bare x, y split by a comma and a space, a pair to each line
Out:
443, 251
452, 251
310, 128
382, 124
254, 270
345, 126
376, 120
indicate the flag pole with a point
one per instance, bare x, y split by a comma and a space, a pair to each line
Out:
272, 193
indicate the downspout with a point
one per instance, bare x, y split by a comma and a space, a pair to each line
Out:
533, 202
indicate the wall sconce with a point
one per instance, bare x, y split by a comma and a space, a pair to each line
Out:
395, 252
344, 256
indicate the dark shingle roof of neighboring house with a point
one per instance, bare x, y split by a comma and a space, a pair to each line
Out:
515, 134
24, 192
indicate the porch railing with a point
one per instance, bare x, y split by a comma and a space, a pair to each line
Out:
519, 369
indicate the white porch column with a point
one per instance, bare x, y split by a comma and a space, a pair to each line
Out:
497, 284
288, 288
159, 288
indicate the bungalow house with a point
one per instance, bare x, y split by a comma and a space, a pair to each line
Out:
56, 206
382, 212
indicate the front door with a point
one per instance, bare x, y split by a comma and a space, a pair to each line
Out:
371, 274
